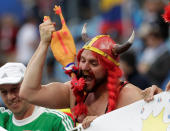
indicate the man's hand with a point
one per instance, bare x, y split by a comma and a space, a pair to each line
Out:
148, 93
168, 86
87, 121
46, 30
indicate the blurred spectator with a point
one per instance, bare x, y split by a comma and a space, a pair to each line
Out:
155, 60
12, 7
49, 71
128, 65
165, 82
1, 103
152, 9
150, 13
27, 40
8, 31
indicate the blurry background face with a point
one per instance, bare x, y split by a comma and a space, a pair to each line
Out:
128, 62
154, 5
150, 41
125, 67
153, 40
10, 97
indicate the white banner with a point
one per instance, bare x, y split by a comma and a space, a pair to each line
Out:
139, 116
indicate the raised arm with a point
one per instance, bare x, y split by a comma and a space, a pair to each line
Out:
54, 95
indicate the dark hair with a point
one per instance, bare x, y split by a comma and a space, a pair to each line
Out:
129, 58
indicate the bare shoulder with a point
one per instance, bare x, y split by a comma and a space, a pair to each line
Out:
129, 94
68, 86
72, 97
68, 83
130, 89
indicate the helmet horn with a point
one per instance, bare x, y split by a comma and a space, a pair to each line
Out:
122, 48
84, 35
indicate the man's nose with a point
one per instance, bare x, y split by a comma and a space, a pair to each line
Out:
85, 66
11, 96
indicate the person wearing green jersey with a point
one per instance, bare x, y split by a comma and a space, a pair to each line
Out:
22, 116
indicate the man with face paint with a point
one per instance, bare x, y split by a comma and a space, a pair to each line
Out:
95, 88
99, 74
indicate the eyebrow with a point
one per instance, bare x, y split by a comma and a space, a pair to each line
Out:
81, 57
14, 86
2, 90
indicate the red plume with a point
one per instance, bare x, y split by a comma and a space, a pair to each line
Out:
166, 14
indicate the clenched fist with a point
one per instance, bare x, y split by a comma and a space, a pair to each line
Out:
46, 30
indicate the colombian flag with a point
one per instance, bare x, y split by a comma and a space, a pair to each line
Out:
112, 16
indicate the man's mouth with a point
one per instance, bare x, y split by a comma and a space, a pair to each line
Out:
14, 103
87, 77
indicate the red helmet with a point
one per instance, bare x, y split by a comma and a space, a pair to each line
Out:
105, 46
102, 45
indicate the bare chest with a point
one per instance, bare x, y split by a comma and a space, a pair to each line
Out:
96, 106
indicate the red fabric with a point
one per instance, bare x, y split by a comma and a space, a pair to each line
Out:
166, 14
58, 11
73, 70
113, 87
108, 26
70, 114
114, 74
79, 109
77, 86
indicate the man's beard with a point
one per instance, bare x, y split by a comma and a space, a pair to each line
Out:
98, 82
